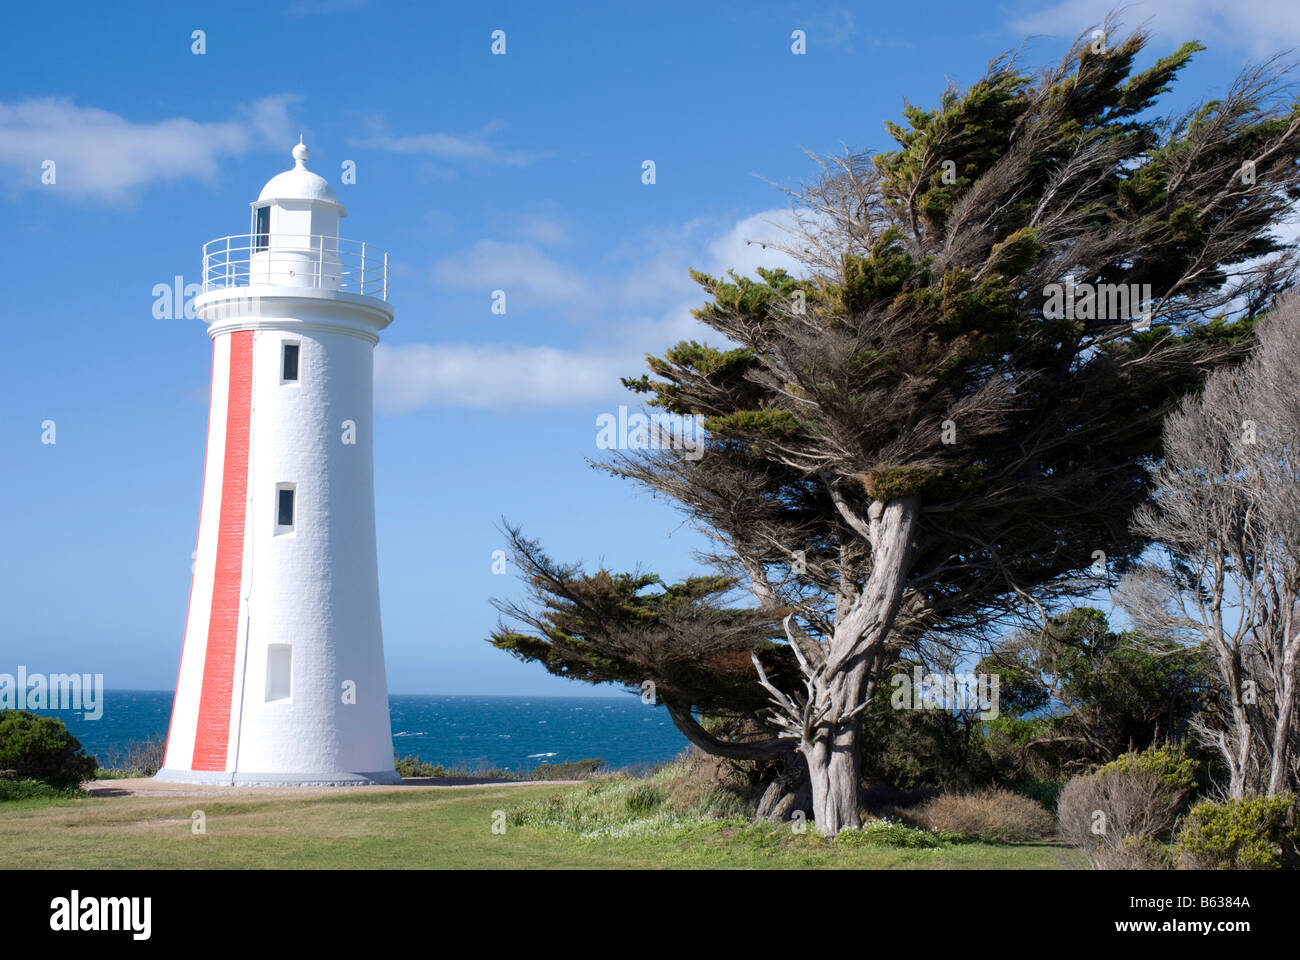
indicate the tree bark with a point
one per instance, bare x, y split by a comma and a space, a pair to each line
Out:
831, 746
788, 793
732, 750
1280, 766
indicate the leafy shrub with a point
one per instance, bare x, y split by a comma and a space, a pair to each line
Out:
41, 748
685, 798
34, 790
891, 833
574, 770
1258, 833
1172, 766
1046, 793
1139, 795
410, 766
643, 800
1135, 853
995, 815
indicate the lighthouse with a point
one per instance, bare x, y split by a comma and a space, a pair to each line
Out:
281, 678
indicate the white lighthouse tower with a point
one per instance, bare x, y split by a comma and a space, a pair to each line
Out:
282, 671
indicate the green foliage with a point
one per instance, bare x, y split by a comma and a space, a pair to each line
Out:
414, 767
644, 800
1140, 796
573, 770
1046, 793
691, 643
13, 790
1256, 833
673, 801
1171, 765
769, 424
1108, 691
891, 833
894, 483
1136, 853
923, 748
41, 748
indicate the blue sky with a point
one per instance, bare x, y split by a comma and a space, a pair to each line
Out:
476, 172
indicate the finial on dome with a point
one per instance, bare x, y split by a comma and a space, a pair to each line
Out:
300, 153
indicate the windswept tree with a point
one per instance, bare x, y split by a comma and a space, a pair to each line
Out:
1227, 515
1096, 693
947, 415
682, 645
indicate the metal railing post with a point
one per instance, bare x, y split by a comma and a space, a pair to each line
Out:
362, 290
385, 275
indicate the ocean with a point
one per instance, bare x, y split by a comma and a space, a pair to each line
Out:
507, 733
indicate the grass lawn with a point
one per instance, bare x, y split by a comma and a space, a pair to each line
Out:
442, 828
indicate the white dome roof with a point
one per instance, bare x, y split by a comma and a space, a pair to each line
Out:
300, 183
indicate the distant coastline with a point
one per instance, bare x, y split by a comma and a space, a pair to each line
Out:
514, 733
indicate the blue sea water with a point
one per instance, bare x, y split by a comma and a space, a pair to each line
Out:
509, 733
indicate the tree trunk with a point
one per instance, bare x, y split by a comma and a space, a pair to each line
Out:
1279, 765
834, 770
1239, 761
833, 752
789, 793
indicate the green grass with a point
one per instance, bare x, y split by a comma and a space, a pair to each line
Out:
445, 829
13, 791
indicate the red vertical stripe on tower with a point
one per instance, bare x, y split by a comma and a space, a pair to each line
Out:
213, 732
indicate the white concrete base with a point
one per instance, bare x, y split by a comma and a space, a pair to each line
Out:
224, 779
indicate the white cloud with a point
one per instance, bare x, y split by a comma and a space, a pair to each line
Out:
1264, 27
103, 156
640, 305
519, 268
456, 147
747, 246
411, 376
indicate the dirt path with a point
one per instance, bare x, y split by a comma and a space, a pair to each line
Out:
148, 787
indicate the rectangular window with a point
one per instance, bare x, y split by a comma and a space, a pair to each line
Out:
263, 229
289, 364
279, 671
284, 508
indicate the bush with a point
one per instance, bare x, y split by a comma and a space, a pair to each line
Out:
1134, 853
1046, 793
574, 770
34, 790
1258, 833
994, 815
679, 796
41, 748
891, 833
410, 766
136, 758
643, 800
1139, 795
